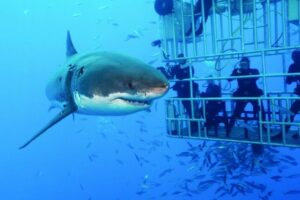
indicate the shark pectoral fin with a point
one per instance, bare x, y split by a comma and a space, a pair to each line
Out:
64, 113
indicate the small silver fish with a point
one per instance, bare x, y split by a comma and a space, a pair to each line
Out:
76, 14
293, 176
151, 62
166, 171
292, 192
102, 7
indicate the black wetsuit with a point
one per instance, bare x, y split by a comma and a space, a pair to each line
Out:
183, 89
247, 87
295, 108
212, 107
198, 14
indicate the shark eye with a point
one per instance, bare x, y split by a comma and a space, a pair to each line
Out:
59, 79
81, 71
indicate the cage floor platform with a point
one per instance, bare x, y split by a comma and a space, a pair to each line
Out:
239, 134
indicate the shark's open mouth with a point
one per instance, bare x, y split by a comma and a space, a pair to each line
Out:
136, 102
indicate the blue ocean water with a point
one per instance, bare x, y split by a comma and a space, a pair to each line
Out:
127, 157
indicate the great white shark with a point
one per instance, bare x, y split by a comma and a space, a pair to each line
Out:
102, 83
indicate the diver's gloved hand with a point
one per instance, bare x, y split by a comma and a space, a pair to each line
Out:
163, 71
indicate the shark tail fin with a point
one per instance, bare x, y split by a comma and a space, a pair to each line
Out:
69, 109
70, 47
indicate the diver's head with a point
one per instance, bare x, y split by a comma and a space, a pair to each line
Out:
182, 60
245, 63
296, 56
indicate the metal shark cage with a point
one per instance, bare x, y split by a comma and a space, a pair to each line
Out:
266, 31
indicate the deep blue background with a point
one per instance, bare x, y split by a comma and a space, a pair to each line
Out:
59, 164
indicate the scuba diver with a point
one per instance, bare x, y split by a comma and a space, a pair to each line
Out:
162, 8
213, 107
295, 107
166, 7
198, 13
182, 71
247, 87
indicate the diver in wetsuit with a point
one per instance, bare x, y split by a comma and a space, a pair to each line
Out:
295, 108
198, 13
182, 71
247, 87
212, 107
165, 7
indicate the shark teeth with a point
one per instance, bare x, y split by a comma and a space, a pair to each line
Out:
137, 102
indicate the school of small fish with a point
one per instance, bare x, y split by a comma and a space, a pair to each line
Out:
228, 170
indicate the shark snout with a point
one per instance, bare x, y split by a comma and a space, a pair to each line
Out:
161, 89
157, 91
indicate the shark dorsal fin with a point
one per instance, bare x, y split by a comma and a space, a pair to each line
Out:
70, 47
